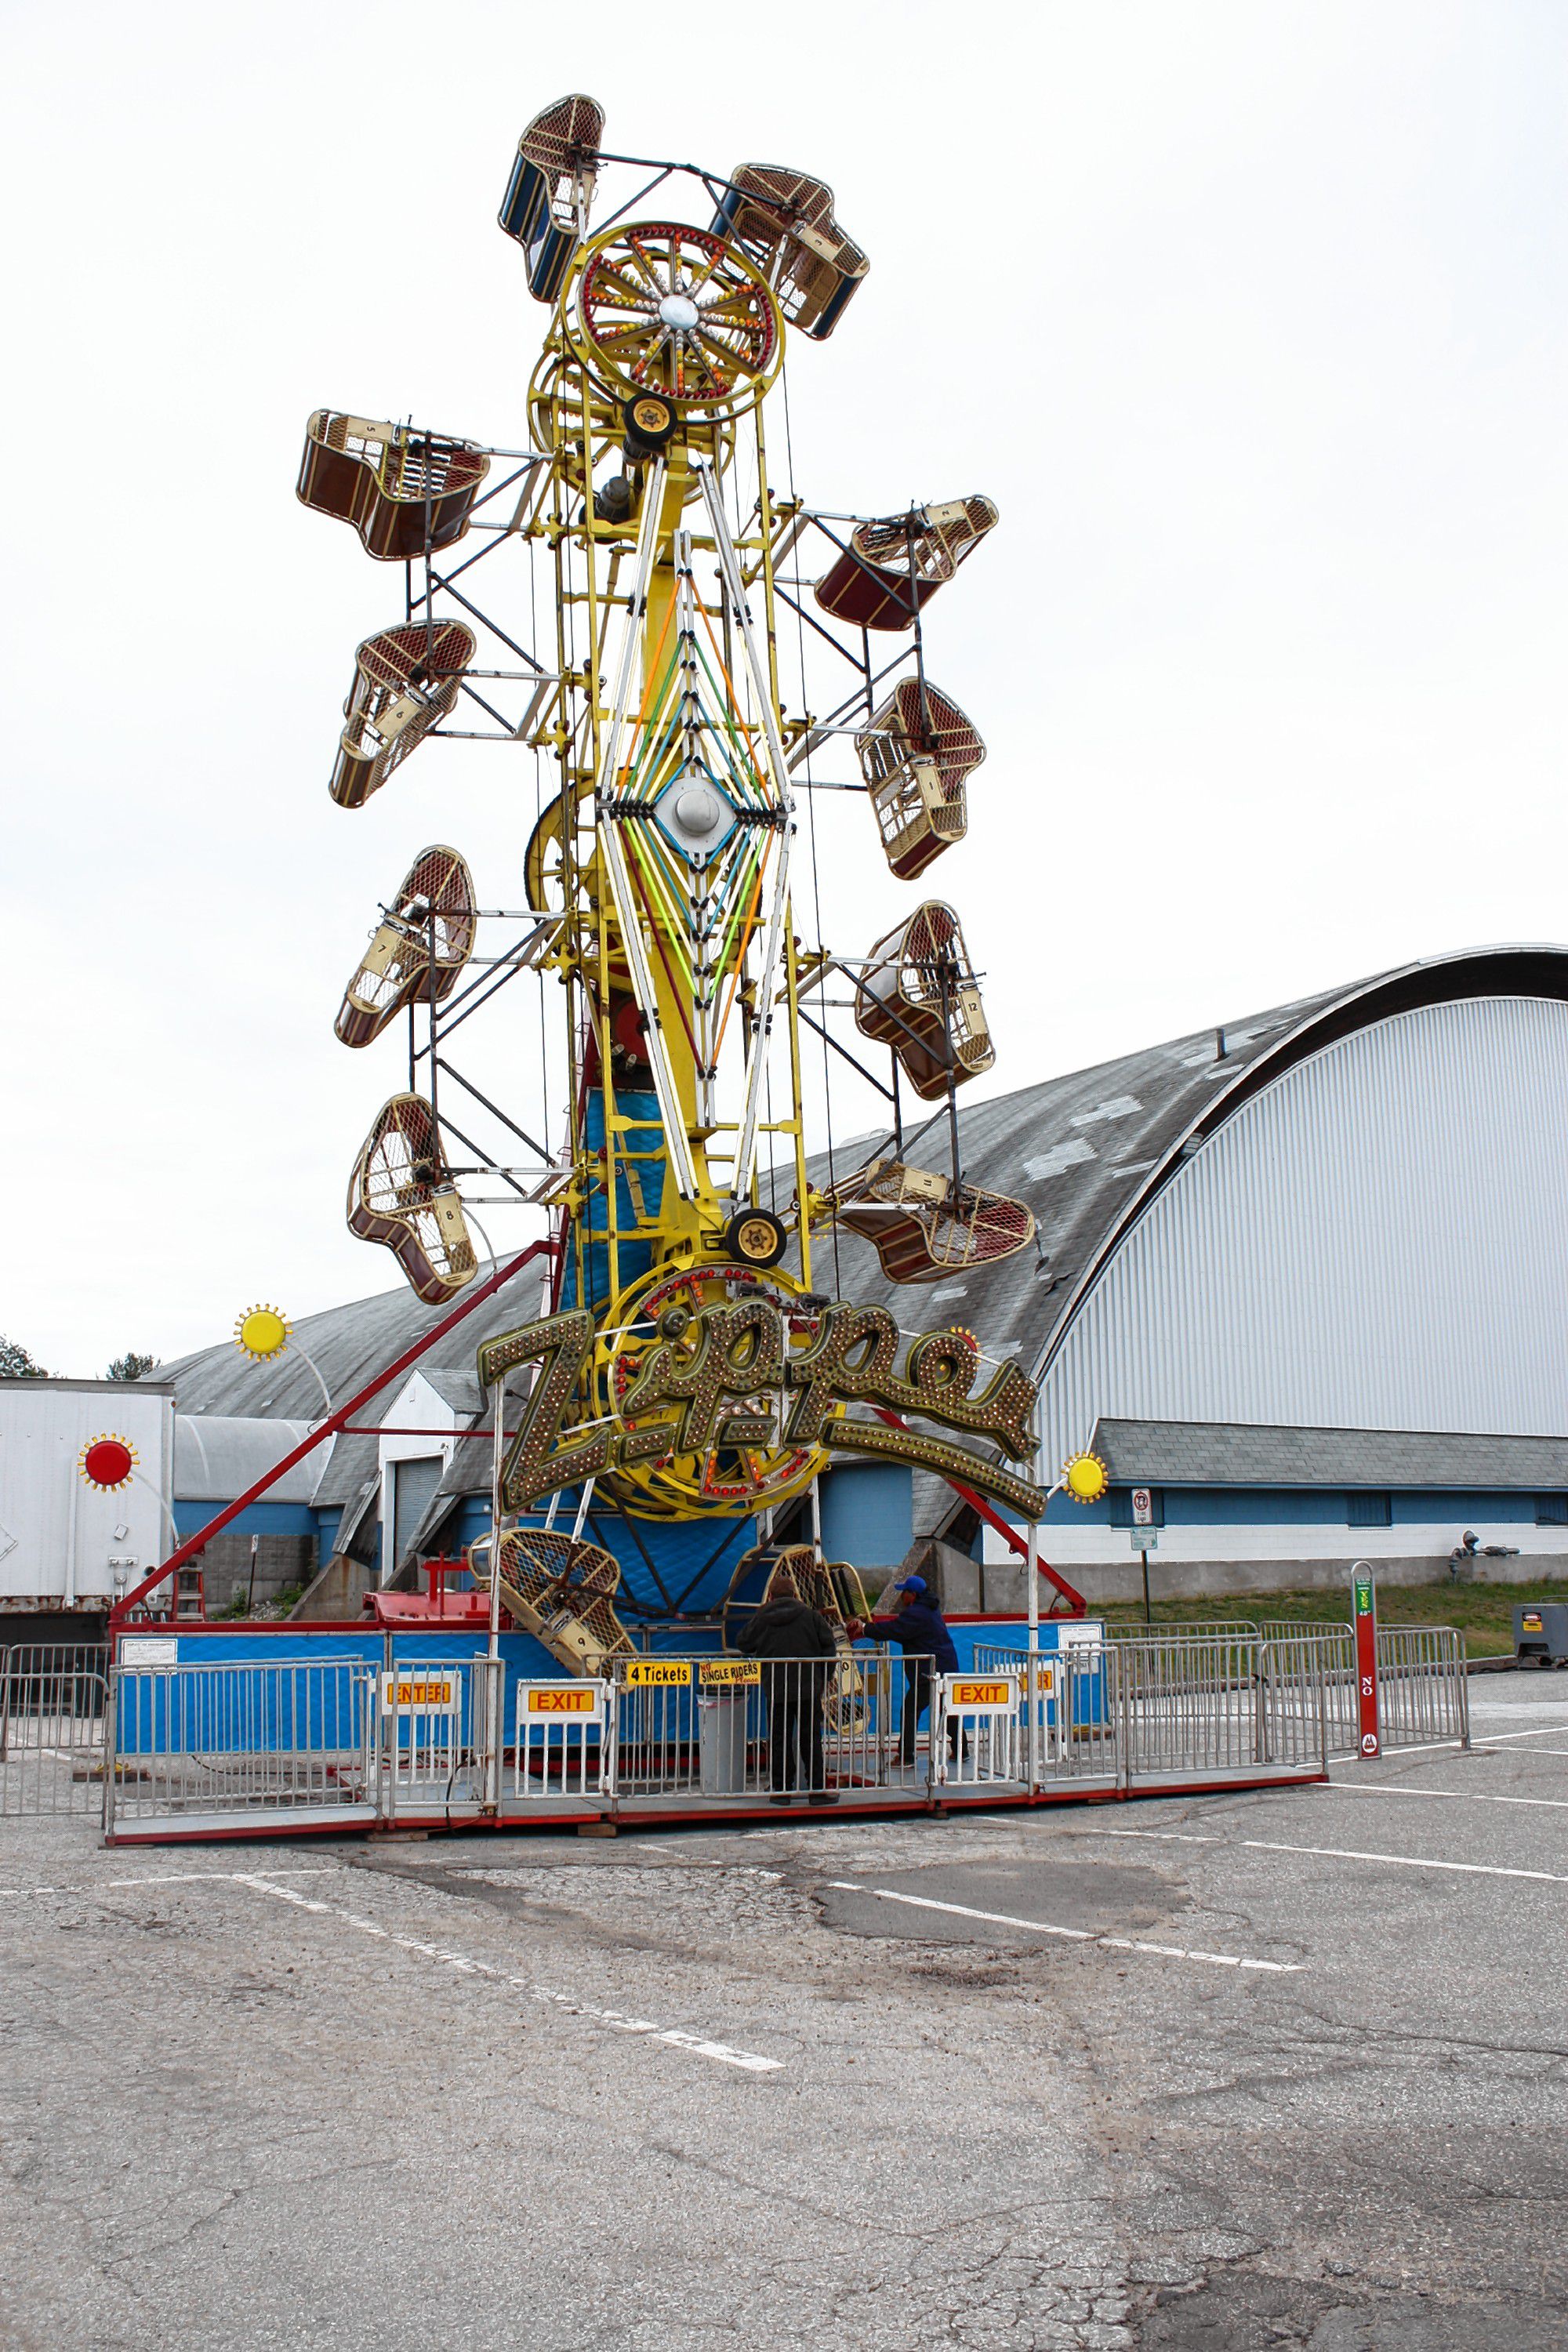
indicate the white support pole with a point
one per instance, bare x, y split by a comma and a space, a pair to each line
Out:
495, 1701
773, 940
1032, 1571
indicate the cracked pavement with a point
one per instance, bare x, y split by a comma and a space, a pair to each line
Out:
1191, 2075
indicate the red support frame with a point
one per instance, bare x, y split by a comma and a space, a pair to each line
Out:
1077, 1605
328, 1428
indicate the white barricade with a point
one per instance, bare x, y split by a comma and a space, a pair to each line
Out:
979, 1736
564, 1740
422, 1709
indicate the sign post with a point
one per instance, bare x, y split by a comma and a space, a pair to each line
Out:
1145, 1537
1365, 1594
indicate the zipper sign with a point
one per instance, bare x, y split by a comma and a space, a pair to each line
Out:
1366, 1663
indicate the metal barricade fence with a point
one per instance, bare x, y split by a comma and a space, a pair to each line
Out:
1329, 1652
1295, 1674
1183, 1629
1076, 1716
76, 1673
1188, 1706
564, 1743
341, 1737
1423, 1689
240, 1738
1327, 1629
655, 1727
728, 1727
53, 1730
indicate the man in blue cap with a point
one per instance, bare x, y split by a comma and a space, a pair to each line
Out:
920, 1630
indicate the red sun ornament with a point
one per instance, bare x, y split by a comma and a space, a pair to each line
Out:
108, 1462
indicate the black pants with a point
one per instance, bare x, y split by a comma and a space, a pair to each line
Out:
917, 1698
795, 1697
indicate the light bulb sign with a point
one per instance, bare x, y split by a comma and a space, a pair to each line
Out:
701, 1373
1365, 1594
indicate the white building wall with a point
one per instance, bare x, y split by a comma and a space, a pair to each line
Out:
63, 1544
1377, 1240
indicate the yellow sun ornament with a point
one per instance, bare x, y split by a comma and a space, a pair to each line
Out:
1084, 1476
262, 1332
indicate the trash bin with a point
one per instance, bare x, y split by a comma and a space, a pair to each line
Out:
1540, 1631
721, 1743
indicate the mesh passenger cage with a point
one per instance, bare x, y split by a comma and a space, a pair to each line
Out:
557, 1585
919, 994
420, 946
401, 1194
916, 753
892, 565
782, 219
922, 1226
406, 680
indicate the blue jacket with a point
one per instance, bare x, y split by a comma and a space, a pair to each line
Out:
921, 1633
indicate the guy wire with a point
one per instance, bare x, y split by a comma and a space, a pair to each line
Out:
811, 829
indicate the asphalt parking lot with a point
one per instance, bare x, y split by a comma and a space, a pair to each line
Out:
1284, 2068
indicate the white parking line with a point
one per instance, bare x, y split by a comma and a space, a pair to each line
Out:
1494, 1738
1406, 1861
1458, 1796
1072, 1935
172, 1878
467, 1965
1163, 1837
1342, 1854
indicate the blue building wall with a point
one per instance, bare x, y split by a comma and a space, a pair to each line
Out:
665, 1564
256, 1519
867, 1514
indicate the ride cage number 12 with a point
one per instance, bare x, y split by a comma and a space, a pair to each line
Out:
1366, 1665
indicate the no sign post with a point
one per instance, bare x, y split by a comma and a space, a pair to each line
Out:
1365, 1592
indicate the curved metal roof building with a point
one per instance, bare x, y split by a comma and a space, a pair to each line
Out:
1348, 1211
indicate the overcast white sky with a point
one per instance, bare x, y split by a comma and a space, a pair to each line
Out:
1251, 317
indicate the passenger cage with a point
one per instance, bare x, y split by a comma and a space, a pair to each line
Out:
783, 221
401, 1194
405, 492
919, 994
916, 753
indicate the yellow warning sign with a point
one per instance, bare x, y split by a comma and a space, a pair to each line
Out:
569, 1698
725, 1673
433, 1692
658, 1674
973, 1695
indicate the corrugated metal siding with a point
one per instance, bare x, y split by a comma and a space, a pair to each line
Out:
58, 1538
1377, 1240
218, 1455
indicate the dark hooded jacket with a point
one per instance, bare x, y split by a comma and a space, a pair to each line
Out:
788, 1628
920, 1631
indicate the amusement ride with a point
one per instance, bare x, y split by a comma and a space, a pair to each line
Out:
688, 1364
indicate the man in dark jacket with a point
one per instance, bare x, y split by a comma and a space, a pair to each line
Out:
920, 1632
795, 1643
